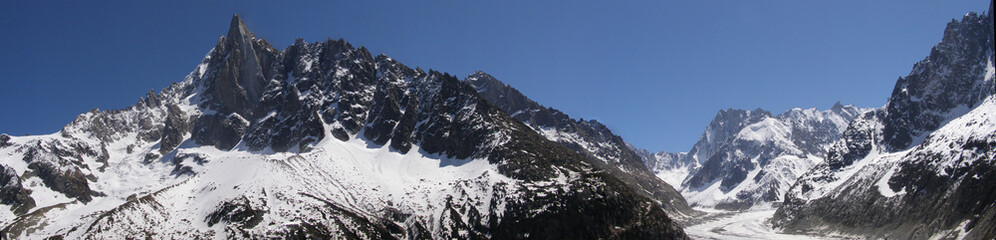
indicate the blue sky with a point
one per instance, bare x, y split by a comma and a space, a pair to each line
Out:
655, 72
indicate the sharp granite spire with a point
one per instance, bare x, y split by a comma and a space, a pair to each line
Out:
238, 30
241, 80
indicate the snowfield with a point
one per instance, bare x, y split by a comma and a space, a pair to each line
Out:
750, 224
354, 175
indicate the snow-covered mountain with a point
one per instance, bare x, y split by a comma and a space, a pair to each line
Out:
922, 166
604, 149
317, 140
748, 158
670, 167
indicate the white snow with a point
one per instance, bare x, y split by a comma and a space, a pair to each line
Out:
752, 224
769, 129
883, 184
362, 178
978, 124
673, 176
773, 138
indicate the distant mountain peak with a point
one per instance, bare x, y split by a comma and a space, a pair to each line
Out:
837, 107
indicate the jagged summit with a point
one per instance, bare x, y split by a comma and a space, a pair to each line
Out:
748, 158
237, 29
235, 79
836, 106
316, 141
921, 166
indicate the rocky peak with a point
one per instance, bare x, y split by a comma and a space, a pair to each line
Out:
151, 99
726, 124
755, 156
511, 100
837, 107
483, 81
240, 63
256, 100
932, 92
912, 159
237, 30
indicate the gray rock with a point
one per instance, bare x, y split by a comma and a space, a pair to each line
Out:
937, 197
603, 149
177, 125
13, 193
220, 131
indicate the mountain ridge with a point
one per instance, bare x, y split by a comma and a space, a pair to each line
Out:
748, 158
313, 129
920, 166
607, 150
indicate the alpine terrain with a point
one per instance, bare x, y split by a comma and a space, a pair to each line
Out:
324, 140
748, 158
923, 165
604, 149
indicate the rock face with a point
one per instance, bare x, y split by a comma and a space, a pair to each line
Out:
676, 167
750, 158
721, 129
320, 140
920, 167
604, 149
13, 193
174, 131
236, 71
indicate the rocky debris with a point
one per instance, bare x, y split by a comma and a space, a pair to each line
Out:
182, 161
150, 157
122, 220
238, 212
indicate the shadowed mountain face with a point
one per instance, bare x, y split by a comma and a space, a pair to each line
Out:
920, 167
603, 149
319, 140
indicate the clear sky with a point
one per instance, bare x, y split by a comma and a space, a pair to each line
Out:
655, 72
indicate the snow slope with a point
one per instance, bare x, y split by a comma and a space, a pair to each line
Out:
320, 140
350, 174
748, 159
920, 167
745, 225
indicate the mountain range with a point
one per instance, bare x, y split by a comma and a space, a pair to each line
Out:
325, 140
317, 140
749, 158
923, 165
